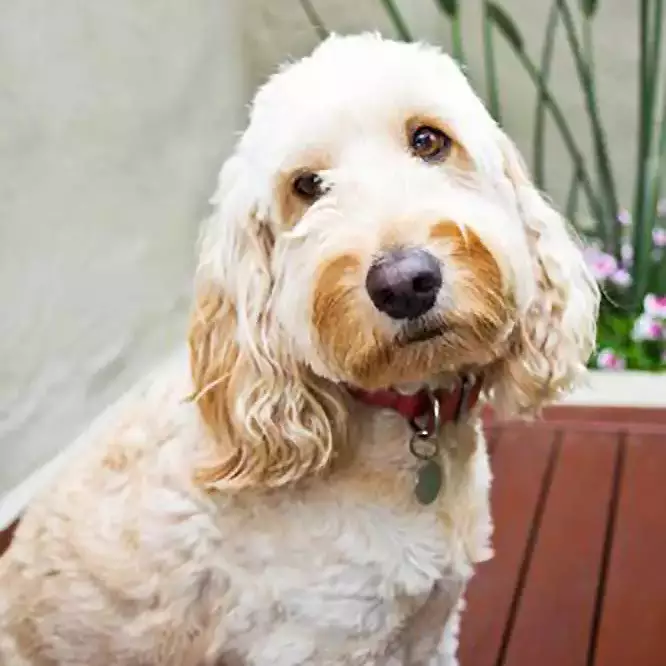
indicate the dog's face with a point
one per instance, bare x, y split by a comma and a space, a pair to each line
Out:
375, 228
399, 247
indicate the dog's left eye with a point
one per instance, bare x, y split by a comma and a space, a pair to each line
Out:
430, 144
309, 186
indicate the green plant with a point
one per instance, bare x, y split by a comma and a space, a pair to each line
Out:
626, 249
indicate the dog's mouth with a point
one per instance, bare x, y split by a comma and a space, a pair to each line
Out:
421, 334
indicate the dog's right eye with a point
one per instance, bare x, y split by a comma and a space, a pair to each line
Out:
309, 186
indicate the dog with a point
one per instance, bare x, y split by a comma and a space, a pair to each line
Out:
308, 482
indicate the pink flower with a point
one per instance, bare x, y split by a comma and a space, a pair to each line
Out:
601, 265
655, 306
646, 327
621, 278
624, 217
659, 237
607, 359
627, 253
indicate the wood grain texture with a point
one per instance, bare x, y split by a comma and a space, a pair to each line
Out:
633, 620
557, 606
520, 460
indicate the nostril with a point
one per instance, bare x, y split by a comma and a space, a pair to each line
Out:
425, 283
384, 296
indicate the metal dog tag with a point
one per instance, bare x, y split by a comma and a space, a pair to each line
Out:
425, 446
428, 482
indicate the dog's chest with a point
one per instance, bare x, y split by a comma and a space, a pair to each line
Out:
333, 577
342, 567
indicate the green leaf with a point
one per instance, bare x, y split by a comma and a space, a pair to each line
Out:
572, 197
314, 19
505, 24
397, 20
589, 7
429, 482
539, 141
449, 7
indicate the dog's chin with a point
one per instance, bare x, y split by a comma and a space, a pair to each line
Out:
421, 334
419, 352
423, 354
415, 356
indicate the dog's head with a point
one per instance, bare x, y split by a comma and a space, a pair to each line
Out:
374, 227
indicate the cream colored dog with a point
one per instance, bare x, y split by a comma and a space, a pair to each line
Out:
311, 485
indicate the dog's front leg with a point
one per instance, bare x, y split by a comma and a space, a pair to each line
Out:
434, 639
447, 649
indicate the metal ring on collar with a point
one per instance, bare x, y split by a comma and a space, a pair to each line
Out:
433, 422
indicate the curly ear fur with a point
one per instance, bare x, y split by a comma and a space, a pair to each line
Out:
272, 420
555, 334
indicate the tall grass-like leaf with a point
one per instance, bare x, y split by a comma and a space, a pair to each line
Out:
314, 19
658, 184
658, 178
609, 201
397, 20
449, 7
539, 140
572, 196
511, 33
492, 80
657, 26
589, 7
456, 40
588, 49
505, 23
660, 148
647, 181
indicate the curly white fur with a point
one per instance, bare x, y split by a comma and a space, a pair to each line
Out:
242, 508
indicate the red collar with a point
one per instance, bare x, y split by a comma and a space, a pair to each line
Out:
453, 403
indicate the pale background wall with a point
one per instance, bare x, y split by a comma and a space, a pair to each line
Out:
114, 118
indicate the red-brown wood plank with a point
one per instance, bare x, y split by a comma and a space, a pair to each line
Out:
6, 536
519, 460
647, 420
632, 630
557, 607
606, 414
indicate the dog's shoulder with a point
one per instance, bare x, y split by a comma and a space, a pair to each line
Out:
109, 477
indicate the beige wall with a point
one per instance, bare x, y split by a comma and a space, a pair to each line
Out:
114, 117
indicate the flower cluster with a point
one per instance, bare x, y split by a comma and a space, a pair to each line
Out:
625, 340
651, 324
607, 269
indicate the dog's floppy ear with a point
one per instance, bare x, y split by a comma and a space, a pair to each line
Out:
555, 334
272, 421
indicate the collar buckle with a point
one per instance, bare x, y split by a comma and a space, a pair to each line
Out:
433, 418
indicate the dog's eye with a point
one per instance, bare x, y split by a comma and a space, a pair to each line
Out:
309, 186
430, 144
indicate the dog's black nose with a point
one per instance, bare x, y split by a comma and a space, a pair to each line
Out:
404, 283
